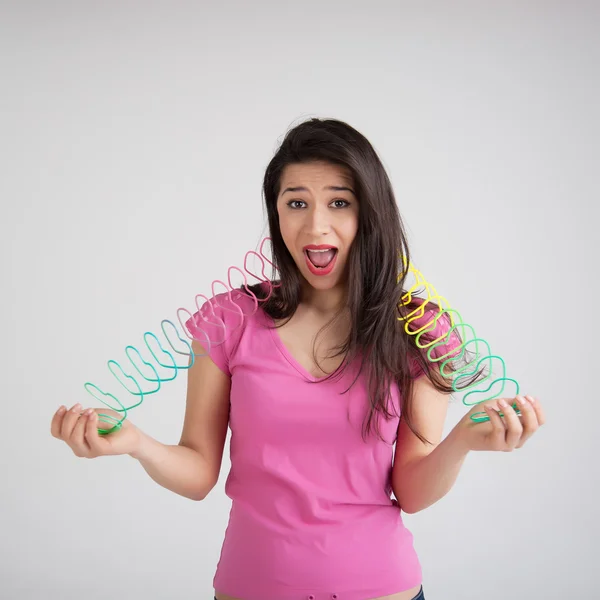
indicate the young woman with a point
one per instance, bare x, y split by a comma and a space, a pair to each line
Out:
317, 386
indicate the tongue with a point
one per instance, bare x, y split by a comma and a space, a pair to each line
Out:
321, 259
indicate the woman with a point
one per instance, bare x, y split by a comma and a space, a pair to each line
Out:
317, 385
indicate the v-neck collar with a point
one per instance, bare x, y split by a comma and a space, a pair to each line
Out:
286, 353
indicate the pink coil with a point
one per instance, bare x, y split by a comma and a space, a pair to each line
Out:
205, 313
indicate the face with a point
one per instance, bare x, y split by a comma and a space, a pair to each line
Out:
318, 219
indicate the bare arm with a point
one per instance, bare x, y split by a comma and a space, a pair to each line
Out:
192, 468
423, 474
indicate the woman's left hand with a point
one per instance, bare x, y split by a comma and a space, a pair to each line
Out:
503, 434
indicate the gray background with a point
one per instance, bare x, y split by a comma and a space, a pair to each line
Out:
133, 140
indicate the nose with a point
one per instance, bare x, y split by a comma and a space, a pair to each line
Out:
318, 221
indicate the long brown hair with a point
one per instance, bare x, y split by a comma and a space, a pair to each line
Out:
376, 273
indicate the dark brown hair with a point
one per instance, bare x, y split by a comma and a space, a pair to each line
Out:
376, 274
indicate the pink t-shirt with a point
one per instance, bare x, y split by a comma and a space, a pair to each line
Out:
312, 516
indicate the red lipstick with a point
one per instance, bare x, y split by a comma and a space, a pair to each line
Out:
320, 271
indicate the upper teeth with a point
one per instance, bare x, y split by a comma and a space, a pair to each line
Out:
324, 250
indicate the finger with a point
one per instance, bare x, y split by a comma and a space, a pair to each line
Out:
95, 441
77, 441
498, 433
56, 422
541, 417
514, 429
69, 421
484, 406
528, 420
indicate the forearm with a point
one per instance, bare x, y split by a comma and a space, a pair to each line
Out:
424, 481
177, 468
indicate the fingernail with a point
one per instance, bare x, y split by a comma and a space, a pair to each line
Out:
502, 403
88, 412
61, 410
531, 399
76, 408
521, 401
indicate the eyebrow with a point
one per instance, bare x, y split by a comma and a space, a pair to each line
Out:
334, 188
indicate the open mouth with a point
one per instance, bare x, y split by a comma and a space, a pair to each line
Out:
321, 261
321, 258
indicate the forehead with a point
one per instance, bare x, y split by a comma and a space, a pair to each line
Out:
315, 173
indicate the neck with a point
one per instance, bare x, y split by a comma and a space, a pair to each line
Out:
325, 302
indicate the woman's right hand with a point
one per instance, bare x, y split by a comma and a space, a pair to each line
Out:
79, 429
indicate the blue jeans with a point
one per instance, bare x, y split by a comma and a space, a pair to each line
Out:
419, 596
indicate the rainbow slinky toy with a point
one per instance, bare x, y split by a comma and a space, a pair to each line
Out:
456, 355
179, 345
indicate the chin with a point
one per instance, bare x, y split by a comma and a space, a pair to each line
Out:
321, 283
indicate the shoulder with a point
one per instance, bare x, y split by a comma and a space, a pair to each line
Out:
237, 302
222, 316
422, 317
222, 322
433, 330
235, 308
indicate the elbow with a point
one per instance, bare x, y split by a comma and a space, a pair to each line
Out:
406, 509
413, 508
200, 479
203, 492
405, 505
198, 496
410, 510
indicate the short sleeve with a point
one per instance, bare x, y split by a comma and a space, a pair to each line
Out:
447, 348
217, 327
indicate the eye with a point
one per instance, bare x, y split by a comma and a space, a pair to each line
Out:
344, 203
291, 204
